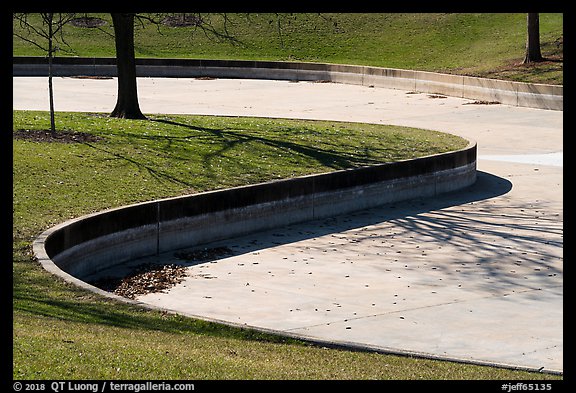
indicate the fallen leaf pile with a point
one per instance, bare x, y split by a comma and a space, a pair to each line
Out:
146, 278
150, 278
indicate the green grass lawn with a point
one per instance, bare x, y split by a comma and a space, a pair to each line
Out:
63, 332
477, 44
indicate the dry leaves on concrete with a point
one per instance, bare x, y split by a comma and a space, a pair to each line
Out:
146, 278
151, 278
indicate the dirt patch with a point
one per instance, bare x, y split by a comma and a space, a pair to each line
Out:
58, 136
89, 22
146, 278
548, 71
182, 20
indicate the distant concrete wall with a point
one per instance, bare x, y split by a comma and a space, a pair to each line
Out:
83, 246
531, 95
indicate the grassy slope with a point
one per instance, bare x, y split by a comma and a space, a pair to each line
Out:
488, 45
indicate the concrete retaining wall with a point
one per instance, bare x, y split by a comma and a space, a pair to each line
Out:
506, 92
83, 246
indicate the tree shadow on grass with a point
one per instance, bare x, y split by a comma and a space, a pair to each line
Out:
141, 165
175, 148
41, 298
232, 138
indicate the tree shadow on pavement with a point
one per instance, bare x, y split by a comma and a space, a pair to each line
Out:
513, 247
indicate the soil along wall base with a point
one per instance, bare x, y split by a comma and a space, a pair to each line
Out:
81, 247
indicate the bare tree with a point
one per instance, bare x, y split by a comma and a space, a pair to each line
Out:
48, 36
533, 53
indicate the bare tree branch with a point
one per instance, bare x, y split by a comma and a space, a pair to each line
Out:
40, 35
46, 36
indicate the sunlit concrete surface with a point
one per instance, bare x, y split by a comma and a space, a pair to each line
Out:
554, 159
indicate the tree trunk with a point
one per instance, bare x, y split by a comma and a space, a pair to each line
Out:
51, 96
533, 53
50, 18
127, 106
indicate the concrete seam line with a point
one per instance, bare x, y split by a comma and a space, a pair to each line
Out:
157, 228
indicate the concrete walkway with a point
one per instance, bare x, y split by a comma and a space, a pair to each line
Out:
475, 275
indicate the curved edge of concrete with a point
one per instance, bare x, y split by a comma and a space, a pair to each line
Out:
354, 346
532, 95
83, 246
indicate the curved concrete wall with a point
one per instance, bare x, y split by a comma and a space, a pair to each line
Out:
506, 92
83, 246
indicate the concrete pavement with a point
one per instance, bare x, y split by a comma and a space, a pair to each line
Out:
475, 275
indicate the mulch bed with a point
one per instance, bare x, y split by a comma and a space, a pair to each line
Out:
58, 136
88, 22
182, 20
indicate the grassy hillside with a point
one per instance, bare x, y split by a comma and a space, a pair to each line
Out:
490, 45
